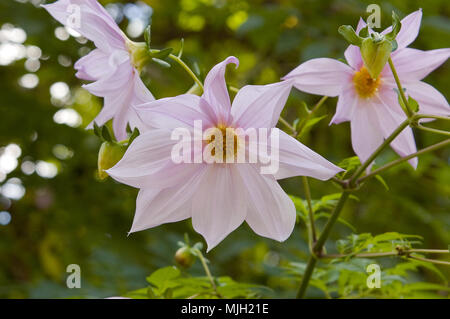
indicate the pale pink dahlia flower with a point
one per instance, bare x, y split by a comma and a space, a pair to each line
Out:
110, 66
372, 106
218, 196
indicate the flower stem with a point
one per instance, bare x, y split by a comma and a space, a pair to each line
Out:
313, 110
405, 252
311, 226
289, 126
408, 110
317, 249
206, 268
433, 261
403, 159
433, 130
187, 69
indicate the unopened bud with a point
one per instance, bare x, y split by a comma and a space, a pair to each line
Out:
108, 156
375, 52
184, 257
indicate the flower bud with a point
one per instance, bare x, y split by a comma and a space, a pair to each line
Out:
375, 51
110, 153
184, 257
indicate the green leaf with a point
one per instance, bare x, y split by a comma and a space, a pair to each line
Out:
162, 63
97, 130
148, 35
133, 136
162, 54
413, 104
350, 35
162, 278
106, 134
396, 25
382, 181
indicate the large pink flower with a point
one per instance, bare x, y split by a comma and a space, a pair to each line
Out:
371, 105
218, 196
110, 66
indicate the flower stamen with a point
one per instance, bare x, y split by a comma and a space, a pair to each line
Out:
365, 85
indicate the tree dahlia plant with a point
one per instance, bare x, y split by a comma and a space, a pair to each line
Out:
203, 156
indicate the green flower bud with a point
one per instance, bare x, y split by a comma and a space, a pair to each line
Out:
184, 257
108, 156
375, 51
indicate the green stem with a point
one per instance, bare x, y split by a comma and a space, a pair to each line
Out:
311, 226
206, 268
388, 253
430, 251
429, 116
408, 110
187, 69
313, 110
289, 126
306, 276
433, 261
317, 250
403, 159
433, 130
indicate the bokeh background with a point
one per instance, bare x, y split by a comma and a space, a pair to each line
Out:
54, 211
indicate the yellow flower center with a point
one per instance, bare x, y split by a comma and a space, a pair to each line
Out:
224, 140
365, 85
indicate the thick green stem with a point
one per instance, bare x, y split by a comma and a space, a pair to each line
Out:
306, 276
408, 110
317, 249
187, 69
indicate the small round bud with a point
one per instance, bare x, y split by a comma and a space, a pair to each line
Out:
184, 257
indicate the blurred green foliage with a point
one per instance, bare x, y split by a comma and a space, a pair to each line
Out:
74, 218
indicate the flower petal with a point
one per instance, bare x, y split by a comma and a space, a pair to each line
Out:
91, 67
271, 213
215, 89
147, 163
409, 29
430, 100
155, 206
344, 108
404, 144
295, 159
218, 206
91, 20
321, 76
414, 65
173, 112
260, 106
366, 132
